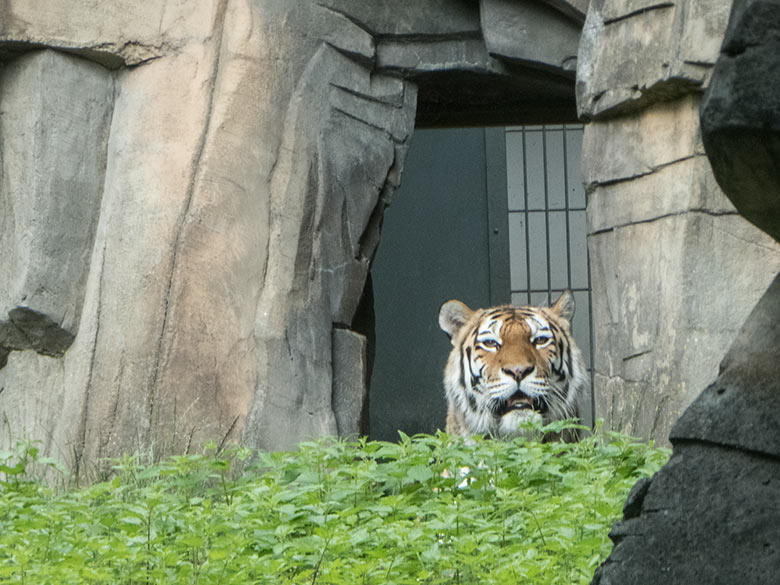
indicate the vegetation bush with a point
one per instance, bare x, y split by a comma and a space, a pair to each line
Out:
428, 509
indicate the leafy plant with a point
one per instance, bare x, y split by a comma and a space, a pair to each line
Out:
427, 509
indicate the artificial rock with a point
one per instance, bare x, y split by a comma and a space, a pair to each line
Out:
662, 238
706, 517
203, 251
620, 149
709, 515
552, 42
637, 52
349, 382
235, 175
740, 117
53, 134
741, 111
663, 321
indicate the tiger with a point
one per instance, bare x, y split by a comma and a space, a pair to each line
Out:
510, 365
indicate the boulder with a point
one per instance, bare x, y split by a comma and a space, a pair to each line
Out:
741, 114
709, 515
706, 517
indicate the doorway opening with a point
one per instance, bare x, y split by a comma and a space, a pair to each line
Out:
484, 215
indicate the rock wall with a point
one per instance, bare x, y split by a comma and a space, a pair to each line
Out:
709, 515
191, 243
192, 194
675, 269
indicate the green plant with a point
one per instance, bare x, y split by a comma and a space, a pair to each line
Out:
428, 509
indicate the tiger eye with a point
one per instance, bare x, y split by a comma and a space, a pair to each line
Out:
541, 342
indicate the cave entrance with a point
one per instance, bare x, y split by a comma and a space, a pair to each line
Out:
484, 215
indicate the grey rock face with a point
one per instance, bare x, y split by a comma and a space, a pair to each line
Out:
742, 408
663, 237
56, 112
741, 114
637, 52
742, 110
675, 269
550, 42
710, 514
659, 343
324, 191
706, 517
350, 371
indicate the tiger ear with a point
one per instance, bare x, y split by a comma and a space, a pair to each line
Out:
564, 306
452, 316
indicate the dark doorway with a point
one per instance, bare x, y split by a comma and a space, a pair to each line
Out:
444, 237
484, 215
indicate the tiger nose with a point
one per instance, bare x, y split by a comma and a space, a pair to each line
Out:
518, 372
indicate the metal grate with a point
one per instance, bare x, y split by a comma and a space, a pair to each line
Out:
548, 228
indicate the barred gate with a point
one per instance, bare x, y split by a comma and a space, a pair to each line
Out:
548, 250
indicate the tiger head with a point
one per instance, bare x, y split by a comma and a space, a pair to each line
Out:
510, 365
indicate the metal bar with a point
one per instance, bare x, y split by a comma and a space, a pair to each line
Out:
527, 221
529, 291
542, 290
546, 213
566, 206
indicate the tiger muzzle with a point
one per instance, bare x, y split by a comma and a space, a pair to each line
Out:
521, 401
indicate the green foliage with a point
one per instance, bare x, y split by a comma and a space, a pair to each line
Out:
428, 509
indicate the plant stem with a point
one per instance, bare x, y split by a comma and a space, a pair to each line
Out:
538, 527
319, 561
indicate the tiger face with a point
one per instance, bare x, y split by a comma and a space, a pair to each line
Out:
510, 365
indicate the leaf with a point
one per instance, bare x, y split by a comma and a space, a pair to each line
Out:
419, 473
134, 520
432, 553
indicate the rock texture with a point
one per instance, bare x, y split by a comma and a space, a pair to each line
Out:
54, 126
740, 115
710, 514
637, 52
675, 269
349, 382
696, 526
193, 200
